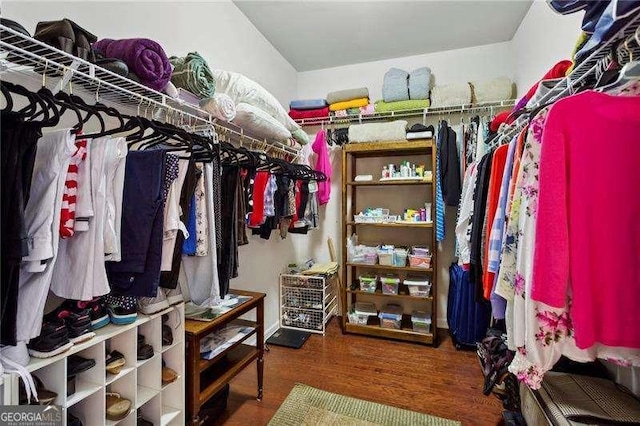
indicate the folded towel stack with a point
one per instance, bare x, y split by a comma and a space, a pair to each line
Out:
308, 108
418, 131
343, 100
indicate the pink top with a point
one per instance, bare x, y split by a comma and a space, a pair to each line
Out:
323, 165
588, 221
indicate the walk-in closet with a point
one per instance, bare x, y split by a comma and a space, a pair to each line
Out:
243, 212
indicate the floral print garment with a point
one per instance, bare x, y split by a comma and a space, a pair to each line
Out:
540, 332
202, 226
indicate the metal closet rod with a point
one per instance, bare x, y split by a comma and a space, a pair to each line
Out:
24, 52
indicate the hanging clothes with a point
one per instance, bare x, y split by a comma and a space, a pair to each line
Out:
449, 167
440, 219
323, 164
477, 221
228, 261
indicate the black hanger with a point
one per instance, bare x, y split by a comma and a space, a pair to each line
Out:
7, 96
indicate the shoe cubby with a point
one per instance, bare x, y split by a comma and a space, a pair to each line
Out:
139, 381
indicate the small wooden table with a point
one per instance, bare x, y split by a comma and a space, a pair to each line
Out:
206, 377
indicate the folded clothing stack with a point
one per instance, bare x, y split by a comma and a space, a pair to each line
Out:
382, 106
308, 108
349, 98
376, 132
418, 131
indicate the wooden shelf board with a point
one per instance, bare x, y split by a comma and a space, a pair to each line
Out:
206, 363
390, 268
392, 183
388, 148
397, 296
390, 333
225, 370
394, 225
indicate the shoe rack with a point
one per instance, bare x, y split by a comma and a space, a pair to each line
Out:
139, 381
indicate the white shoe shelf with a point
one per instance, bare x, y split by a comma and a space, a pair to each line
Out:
138, 381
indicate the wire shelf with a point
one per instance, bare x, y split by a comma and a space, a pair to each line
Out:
22, 54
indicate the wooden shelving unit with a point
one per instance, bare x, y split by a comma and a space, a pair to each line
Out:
364, 158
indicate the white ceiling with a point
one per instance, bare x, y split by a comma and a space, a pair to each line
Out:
321, 34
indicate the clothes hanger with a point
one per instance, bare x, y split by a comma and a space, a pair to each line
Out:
629, 73
7, 97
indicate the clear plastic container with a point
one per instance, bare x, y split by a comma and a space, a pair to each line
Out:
420, 261
385, 257
368, 283
391, 317
361, 313
390, 283
421, 322
418, 287
400, 257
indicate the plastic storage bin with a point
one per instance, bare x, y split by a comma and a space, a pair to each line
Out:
390, 284
418, 287
400, 257
421, 322
361, 313
386, 257
391, 317
368, 283
420, 261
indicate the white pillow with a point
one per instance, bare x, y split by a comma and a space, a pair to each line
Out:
373, 132
242, 89
259, 123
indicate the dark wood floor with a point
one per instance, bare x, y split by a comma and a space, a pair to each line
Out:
441, 382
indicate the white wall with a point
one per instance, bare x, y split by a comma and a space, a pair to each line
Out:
542, 39
451, 66
227, 40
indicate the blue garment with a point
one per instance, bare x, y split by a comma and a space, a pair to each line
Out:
138, 273
189, 245
440, 230
308, 104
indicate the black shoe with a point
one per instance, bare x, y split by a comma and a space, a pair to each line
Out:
122, 309
96, 309
145, 351
142, 421
77, 364
78, 322
167, 335
73, 420
53, 339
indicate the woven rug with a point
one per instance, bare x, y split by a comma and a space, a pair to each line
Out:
309, 406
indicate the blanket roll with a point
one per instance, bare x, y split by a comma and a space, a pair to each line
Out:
420, 83
144, 57
308, 104
193, 73
374, 132
353, 103
498, 89
451, 95
347, 95
395, 86
220, 106
299, 114
382, 106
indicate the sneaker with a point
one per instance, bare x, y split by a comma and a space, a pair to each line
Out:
151, 305
53, 339
97, 311
78, 323
174, 295
121, 309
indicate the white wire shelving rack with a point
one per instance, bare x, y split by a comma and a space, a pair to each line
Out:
420, 112
35, 59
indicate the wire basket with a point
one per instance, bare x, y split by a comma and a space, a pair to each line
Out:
302, 281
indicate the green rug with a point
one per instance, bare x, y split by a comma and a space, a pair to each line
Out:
309, 406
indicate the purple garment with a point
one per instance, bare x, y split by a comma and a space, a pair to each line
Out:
144, 57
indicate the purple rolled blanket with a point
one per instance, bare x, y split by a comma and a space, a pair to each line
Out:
144, 57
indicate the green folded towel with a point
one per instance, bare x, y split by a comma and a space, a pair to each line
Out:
382, 106
193, 74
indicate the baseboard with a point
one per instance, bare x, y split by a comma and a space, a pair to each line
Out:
442, 323
267, 333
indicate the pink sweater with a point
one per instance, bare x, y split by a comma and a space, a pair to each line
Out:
588, 218
323, 164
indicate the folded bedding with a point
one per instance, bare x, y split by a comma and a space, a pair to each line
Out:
145, 58
427, 134
347, 95
193, 73
242, 89
259, 123
300, 136
382, 106
451, 95
220, 106
308, 104
498, 89
420, 83
373, 132
352, 103
299, 114
395, 85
